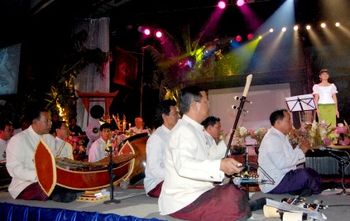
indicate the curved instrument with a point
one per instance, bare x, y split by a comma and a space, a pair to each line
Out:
138, 143
80, 175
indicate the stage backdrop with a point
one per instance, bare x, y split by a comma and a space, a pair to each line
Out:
265, 98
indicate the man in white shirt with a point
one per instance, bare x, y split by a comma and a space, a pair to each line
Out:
212, 126
188, 191
20, 159
63, 149
139, 127
155, 148
6, 132
280, 160
98, 148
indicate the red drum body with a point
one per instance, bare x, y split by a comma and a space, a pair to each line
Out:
138, 143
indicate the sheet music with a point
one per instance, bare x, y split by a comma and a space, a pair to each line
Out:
303, 102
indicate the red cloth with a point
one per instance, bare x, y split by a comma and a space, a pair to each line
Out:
155, 192
125, 68
225, 202
33, 192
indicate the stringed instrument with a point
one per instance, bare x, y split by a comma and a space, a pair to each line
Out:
243, 100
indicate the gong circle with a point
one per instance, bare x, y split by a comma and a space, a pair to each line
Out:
96, 111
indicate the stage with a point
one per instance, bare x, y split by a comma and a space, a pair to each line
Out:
135, 205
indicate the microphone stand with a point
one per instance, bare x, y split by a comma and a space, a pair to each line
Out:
111, 177
343, 163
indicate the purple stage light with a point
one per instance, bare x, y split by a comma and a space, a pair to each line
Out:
240, 3
159, 34
222, 4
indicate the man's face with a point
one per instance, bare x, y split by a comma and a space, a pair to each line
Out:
139, 123
106, 134
7, 133
43, 124
171, 119
63, 131
214, 130
202, 107
285, 124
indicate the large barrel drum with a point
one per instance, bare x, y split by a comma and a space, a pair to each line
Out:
138, 142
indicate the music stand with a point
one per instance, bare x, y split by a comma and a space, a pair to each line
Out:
301, 103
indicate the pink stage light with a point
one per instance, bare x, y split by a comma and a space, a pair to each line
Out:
238, 38
147, 31
159, 34
240, 3
250, 36
222, 4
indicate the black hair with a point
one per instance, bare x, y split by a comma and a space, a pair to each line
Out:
188, 95
323, 71
56, 125
33, 112
164, 108
210, 121
4, 123
277, 115
105, 126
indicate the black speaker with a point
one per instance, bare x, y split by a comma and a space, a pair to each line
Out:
97, 111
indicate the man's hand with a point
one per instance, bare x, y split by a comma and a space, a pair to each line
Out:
304, 145
230, 166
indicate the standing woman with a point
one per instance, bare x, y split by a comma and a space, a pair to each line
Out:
325, 94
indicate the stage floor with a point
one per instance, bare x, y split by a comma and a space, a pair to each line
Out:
134, 202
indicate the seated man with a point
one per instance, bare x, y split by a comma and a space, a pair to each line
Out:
212, 126
280, 160
6, 132
20, 159
155, 147
98, 148
138, 128
63, 149
188, 191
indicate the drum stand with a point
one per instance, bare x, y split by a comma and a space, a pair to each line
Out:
111, 177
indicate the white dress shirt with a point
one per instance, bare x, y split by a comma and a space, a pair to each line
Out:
325, 93
277, 157
98, 150
188, 170
216, 150
155, 154
63, 149
20, 158
3, 144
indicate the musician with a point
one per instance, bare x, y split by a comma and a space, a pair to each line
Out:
280, 160
188, 191
74, 128
212, 126
20, 159
155, 147
6, 132
63, 149
139, 126
98, 148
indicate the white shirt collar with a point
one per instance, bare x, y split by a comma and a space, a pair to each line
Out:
193, 122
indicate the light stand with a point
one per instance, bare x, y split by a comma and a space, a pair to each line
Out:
111, 176
343, 163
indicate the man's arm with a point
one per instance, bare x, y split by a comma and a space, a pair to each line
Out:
19, 162
154, 147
